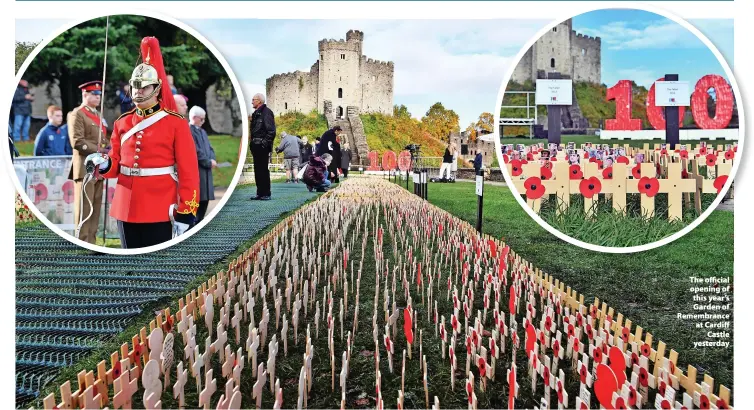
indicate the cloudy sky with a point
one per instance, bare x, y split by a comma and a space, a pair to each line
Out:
460, 63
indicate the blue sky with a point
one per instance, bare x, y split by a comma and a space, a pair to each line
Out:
460, 63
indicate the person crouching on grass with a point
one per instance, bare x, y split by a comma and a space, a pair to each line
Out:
316, 173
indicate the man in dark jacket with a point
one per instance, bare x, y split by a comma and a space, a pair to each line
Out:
327, 139
21, 107
306, 150
334, 166
345, 159
262, 134
205, 155
52, 139
477, 163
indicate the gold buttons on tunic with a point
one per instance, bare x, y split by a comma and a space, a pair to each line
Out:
136, 157
138, 142
136, 165
138, 150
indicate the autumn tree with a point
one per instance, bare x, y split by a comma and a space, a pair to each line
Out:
401, 111
484, 125
439, 121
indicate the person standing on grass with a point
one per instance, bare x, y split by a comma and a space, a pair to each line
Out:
477, 163
345, 159
326, 140
262, 134
21, 107
335, 163
290, 146
52, 139
306, 151
205, 155
447, 162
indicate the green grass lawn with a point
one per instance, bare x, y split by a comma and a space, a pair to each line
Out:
650, 288
581, 139
226, 150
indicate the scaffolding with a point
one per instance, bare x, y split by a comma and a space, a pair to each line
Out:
528, 121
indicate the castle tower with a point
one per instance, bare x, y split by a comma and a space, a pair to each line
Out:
552, 52
339, 62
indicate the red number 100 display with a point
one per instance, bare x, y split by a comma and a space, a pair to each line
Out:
622, 93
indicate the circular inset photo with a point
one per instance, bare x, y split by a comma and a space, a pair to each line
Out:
620, 129
125, 133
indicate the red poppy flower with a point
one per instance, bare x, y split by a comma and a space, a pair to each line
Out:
684, 154
646, 349
116, 370
506, 158
729, 155
575, 172
643, 377
559, 388
534, 188
632, 396
586, 155
553, 159
721, 404
703, 151
516, 167
703, 402
548, 323
672, 367
663, 151
530, 156
597, 354
570, 331
590, 187
582, 373
589, 332
636, 171
649, 186
720, 182
665, 404
661, 388
711, 160
684, 174
556, 348
68, 188
622, 160
593, 159
620, 403
545, 172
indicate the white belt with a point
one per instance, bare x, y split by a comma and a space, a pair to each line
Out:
147, 172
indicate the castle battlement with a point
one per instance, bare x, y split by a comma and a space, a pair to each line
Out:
341, 75
585, 37
367, 60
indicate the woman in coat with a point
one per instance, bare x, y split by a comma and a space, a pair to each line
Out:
205, 154
345, 159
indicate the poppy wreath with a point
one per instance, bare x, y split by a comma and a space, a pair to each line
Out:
720, 182
574, 171
623, 160
534, 188
649, 187
711, 160
729, 155
636, 171
545, 173
590, 187
607, 173
516, 167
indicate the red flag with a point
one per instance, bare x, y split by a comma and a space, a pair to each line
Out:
407, 326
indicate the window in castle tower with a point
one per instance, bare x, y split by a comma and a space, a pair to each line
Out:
321, 57
286, 106
554, 29
342, 56
340, 93
374, 78
583, 51
552, 63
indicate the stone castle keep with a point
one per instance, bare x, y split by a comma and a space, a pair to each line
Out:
342, 75
562, 49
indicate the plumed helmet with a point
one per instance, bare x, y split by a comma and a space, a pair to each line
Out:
151, 71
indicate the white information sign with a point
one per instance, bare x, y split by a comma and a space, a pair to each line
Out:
479, 185
554, 92
672, 94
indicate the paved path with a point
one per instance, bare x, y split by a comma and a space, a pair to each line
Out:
69, 300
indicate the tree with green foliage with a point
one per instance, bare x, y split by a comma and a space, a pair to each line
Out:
77, 56
440, 122
23, 49
401, 111
485, 125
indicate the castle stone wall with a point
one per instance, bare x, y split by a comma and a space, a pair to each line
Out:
377, 80
291, 92
586, 53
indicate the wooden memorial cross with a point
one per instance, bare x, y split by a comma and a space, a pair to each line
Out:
272, 352
125, 387
205, 397
259, 384
180, 382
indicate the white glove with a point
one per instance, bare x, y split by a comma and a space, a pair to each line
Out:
98, 159
179, 228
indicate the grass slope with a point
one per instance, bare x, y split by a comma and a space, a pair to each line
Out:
650, 288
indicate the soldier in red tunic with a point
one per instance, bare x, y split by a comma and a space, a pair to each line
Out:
154, 158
